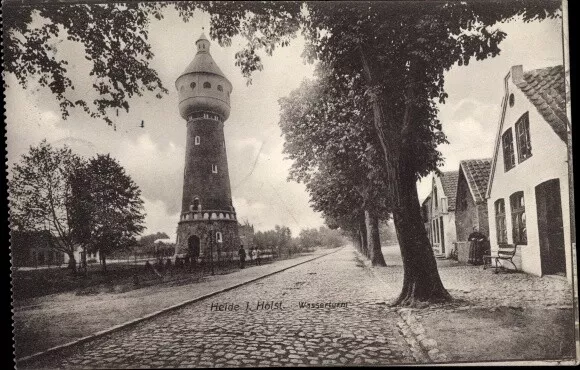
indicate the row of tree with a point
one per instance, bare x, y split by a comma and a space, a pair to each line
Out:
90, 205
280, 240
360, 134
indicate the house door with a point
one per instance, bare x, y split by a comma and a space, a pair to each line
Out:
193, 246
550, 227
442, 230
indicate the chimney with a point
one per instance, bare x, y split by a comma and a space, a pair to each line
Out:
517, 74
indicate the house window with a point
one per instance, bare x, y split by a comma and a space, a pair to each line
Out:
214, 168
509, 160
500, 227
523, 138
192, 85
206, 85
197, 140
218, 237
518, 218
220, 88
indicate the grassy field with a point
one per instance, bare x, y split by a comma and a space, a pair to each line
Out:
119, 277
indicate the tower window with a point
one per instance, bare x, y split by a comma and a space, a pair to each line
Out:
197, 140
214, 168
218, 237
220, 88
206, 85
192, 85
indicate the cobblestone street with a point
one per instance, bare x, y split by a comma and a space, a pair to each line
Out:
364, 332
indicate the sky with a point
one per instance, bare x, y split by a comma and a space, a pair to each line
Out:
154, 156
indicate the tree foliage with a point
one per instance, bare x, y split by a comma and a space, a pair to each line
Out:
115, 41
117, 212
85, 205
41, 195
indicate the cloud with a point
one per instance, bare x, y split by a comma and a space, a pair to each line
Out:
159, 219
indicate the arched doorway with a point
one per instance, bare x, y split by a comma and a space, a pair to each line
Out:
550, 227
193, 246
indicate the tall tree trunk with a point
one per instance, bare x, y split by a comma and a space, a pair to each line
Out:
72, 263
364, 240
421, 281
374, 240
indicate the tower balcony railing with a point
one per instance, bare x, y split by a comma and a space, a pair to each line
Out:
208, 214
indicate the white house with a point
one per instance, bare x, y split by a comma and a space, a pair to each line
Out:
442, 213
528, 192
91, 257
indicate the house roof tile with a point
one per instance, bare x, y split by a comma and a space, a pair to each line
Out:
476, 172
449, 183
546, 89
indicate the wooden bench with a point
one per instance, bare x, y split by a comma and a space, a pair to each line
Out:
505, 252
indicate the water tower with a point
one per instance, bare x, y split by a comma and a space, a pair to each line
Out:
208, 220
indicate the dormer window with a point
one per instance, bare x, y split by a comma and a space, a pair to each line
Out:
197, 140
214, 168
192, 85
220, 88
206, 85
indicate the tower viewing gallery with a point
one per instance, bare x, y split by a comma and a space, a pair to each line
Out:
208, 223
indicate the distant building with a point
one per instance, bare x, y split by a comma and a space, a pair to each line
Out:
246, 233
442, 213
34, 248
528, 192
470, 202
78, 253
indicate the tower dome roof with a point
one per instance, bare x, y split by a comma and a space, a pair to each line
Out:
203, 61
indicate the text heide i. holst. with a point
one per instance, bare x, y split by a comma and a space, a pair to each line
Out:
273, 305
247, 306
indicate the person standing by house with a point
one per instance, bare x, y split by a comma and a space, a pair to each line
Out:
242, 254
255, 256
252, 255
477, 246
